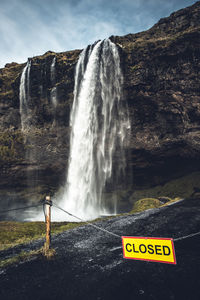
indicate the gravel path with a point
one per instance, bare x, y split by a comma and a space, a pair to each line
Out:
89, 263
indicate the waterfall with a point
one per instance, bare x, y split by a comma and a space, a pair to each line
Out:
53, 71
99, 124
53, 94
24, 95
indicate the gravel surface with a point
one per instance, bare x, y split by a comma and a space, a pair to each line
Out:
89, 263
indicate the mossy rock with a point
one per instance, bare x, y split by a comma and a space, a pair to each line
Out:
135, 67
182, 187
144, 204
11, 145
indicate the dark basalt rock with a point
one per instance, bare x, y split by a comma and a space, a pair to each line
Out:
161, 68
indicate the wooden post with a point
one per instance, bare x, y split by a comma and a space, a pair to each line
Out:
48, 204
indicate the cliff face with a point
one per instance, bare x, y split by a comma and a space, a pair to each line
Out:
34, 162
161, 70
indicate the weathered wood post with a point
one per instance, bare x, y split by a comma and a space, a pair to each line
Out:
48, 204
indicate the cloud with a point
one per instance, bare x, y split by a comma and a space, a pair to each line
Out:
32, 27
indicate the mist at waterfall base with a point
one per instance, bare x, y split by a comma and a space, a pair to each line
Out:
99, 124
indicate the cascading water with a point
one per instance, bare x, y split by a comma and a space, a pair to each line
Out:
99, 124
53, 93
24, 94
29, 140
53, 71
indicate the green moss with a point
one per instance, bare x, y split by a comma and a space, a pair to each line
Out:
21, 257
6, 153
7, 94
182, 187
171, 201
8, 77
24, 256
144, 204
135, 68
11, 142
48, 253
157, 40
15, 233
45, 55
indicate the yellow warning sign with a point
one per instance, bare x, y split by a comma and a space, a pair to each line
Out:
150, 249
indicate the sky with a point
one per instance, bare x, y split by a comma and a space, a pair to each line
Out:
33, 27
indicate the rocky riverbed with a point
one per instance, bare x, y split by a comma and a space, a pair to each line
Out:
89, 263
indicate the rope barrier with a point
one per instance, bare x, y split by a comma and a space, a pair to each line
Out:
116, 235
95, 226
19, 208
186, 236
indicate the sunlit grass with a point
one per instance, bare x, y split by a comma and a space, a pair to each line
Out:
148, 203
22, 256
15, 233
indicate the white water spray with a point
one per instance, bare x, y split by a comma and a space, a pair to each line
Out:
53, 71
53, 94
24, 95
99, 123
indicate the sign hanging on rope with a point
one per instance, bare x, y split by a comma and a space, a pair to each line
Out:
149, 249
